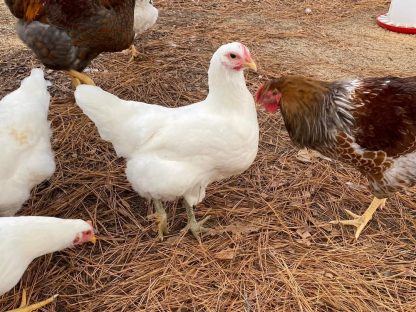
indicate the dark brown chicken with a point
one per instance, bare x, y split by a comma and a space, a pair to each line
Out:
368, 123
68, 34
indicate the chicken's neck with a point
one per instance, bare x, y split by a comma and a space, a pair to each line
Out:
319, 115
38, 236
228, 90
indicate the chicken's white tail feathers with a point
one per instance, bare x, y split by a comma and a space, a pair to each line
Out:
92, 98
32, 95
106, 110
35, 86
36, 81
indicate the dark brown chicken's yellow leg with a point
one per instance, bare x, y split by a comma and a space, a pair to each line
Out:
75, 82
161, 218
80, 78
361, 221
33, 307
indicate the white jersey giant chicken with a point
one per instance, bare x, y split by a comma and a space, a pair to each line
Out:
177, 152
26, 157
25, 238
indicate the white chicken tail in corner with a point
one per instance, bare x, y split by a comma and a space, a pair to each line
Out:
26, 158
177, 152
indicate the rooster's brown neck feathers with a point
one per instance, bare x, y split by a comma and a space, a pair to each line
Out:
314, 111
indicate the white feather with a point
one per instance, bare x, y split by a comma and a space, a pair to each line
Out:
26, 158
145, 16
175, 152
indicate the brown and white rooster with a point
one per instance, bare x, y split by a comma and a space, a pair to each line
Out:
368, 123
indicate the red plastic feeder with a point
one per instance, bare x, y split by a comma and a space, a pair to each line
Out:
400, 18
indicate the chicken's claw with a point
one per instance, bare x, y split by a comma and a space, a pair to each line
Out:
161, 218
162, 223
361, 221
133, 51
33, 307
196, 227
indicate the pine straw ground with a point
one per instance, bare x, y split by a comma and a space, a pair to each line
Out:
271, 247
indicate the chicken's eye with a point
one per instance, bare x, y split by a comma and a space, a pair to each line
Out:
233, 56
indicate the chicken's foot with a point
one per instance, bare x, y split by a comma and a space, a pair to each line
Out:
360, 221
80, 78
195, 227
161, 218
33, 307
134, 52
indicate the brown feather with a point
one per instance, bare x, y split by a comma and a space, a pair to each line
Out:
387, 119
300, 94
111, 3
33, 9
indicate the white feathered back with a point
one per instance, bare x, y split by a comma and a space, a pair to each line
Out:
26, 158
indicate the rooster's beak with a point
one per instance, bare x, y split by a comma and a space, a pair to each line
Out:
250, 65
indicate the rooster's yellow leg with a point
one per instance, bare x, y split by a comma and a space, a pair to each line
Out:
360, 221
195, 227
33, 307
78, 77
161, 218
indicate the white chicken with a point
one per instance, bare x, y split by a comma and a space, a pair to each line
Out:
25, 238
145, 16
177, 152
26, 157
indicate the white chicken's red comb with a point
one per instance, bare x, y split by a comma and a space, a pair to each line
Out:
246, 53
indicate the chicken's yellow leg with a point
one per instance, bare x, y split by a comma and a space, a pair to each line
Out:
134, 52
75, 82
161, 218
360, 221
194, 226
78, 78
33, 307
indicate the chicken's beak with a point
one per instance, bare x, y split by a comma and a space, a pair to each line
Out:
250, 65
93, 239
